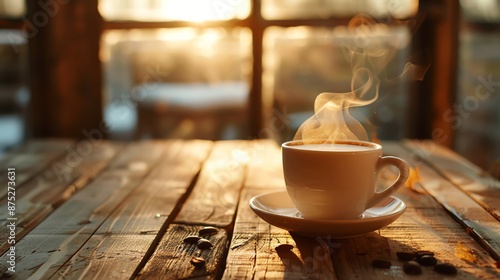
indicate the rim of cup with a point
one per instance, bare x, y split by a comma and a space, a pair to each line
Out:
292, 143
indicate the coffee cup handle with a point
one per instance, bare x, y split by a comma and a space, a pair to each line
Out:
404, 172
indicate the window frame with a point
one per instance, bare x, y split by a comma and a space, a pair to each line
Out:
438, 32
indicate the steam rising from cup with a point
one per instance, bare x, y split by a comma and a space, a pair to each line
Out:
368, 50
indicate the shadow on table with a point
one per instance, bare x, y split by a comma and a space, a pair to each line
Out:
324, 258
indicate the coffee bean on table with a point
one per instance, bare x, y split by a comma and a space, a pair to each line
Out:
427, 260
445, 268
381, 263
422, 253
208, 231
192, 239
204, 244
412, 268
405, 256
197, 261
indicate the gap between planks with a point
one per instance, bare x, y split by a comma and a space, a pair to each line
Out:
107, 252
467, 177
163, 229
252, 252
473, 218
51, 252
48, 151
46, 192
213, 201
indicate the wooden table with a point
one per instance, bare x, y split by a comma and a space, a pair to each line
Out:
107, 210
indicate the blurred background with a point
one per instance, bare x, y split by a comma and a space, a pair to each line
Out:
242, 69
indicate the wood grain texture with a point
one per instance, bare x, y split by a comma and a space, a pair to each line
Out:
31, 159
40, 196
254, 252
215, 196
121, 242
479, 185
213, 201
425, 226
133, 211
418, 229
476, 221
54, 241
172, 258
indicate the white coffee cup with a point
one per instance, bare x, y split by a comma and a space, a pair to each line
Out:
337, 179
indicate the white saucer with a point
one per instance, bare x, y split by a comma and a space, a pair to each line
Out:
277, 209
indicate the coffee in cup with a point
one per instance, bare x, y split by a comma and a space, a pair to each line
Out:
337, 179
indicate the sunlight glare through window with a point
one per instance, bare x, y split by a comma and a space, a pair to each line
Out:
174, 10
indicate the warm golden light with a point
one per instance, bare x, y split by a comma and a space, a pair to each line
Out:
286, 9
174, 10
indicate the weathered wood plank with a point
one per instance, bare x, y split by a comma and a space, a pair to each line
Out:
478, 222
122, 241
255, 251
31, 159
104, 257
425, 226
172, 258
40, 196
479, 185
213, 201
54, 241
108, 229
216, 193
418, 229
